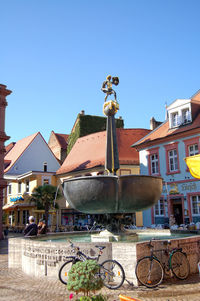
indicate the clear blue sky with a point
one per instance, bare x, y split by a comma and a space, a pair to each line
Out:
55, 54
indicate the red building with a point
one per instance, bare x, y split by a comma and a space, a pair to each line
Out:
3, 137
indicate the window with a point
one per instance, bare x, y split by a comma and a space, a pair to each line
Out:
195, 204
175, 119
153, 161
154, 164
25, 217
186, 116
193, 149
173, 160
45, 166
27, 186
159, 208
9, 188
46, 182
18, 216
19, 187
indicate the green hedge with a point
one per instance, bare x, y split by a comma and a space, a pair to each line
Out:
88, 124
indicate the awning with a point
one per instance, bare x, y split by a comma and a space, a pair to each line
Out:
43, 211
193, 163
15, 206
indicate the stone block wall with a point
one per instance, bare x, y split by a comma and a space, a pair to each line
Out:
189, 245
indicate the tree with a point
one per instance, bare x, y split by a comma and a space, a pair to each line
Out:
44, 196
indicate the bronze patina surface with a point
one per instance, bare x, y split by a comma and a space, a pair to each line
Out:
112, 194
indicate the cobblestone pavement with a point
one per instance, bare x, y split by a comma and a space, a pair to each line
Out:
17, 286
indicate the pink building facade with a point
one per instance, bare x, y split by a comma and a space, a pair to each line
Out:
3, 137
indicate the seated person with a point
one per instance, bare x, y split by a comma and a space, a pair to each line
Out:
31, 229
42, 228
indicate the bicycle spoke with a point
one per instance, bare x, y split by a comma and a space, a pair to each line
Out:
112, 274
180, 265
149, 272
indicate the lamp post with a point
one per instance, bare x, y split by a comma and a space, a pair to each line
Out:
3, 137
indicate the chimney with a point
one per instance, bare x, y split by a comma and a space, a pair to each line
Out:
154, 123
82, 112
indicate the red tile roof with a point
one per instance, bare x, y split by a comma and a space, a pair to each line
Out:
17, 150
62, 140
164, 132
89, 151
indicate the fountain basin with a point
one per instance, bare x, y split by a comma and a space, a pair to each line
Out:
43, 256
112, 194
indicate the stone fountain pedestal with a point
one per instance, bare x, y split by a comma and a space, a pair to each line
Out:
107, 236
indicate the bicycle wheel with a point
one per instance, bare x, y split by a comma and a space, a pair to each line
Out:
180, 265
112, 274
64, 270
149, 271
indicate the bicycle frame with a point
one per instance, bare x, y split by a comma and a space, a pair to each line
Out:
107, 270
168, 252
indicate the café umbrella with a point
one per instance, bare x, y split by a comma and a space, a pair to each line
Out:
193, 163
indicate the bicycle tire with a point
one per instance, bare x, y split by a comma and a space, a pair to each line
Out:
112, 274
180, 265
64, 270
149, 272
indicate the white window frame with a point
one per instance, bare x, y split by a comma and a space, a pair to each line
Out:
175, 119
27, 186
154, 164
186, 115
194, 151
173, 160
19, 190
196, 203
46, 178
159, 208
45, 166
9, 189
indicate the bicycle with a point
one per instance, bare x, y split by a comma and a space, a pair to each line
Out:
110, 271
150, 270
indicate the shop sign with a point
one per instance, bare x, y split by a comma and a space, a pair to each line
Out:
19, 198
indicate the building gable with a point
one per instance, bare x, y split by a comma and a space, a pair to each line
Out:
33, 158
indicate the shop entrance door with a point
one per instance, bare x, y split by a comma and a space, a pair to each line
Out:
177, 211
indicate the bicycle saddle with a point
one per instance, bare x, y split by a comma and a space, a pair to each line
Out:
100, 247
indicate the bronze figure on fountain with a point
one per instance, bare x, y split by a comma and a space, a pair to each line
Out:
107, 86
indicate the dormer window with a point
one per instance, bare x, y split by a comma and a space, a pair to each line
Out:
180, 117
45, 166
186, 116
175, 119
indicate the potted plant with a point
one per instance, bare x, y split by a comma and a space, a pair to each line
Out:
84, 278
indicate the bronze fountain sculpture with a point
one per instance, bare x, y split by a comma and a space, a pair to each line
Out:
112, 194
